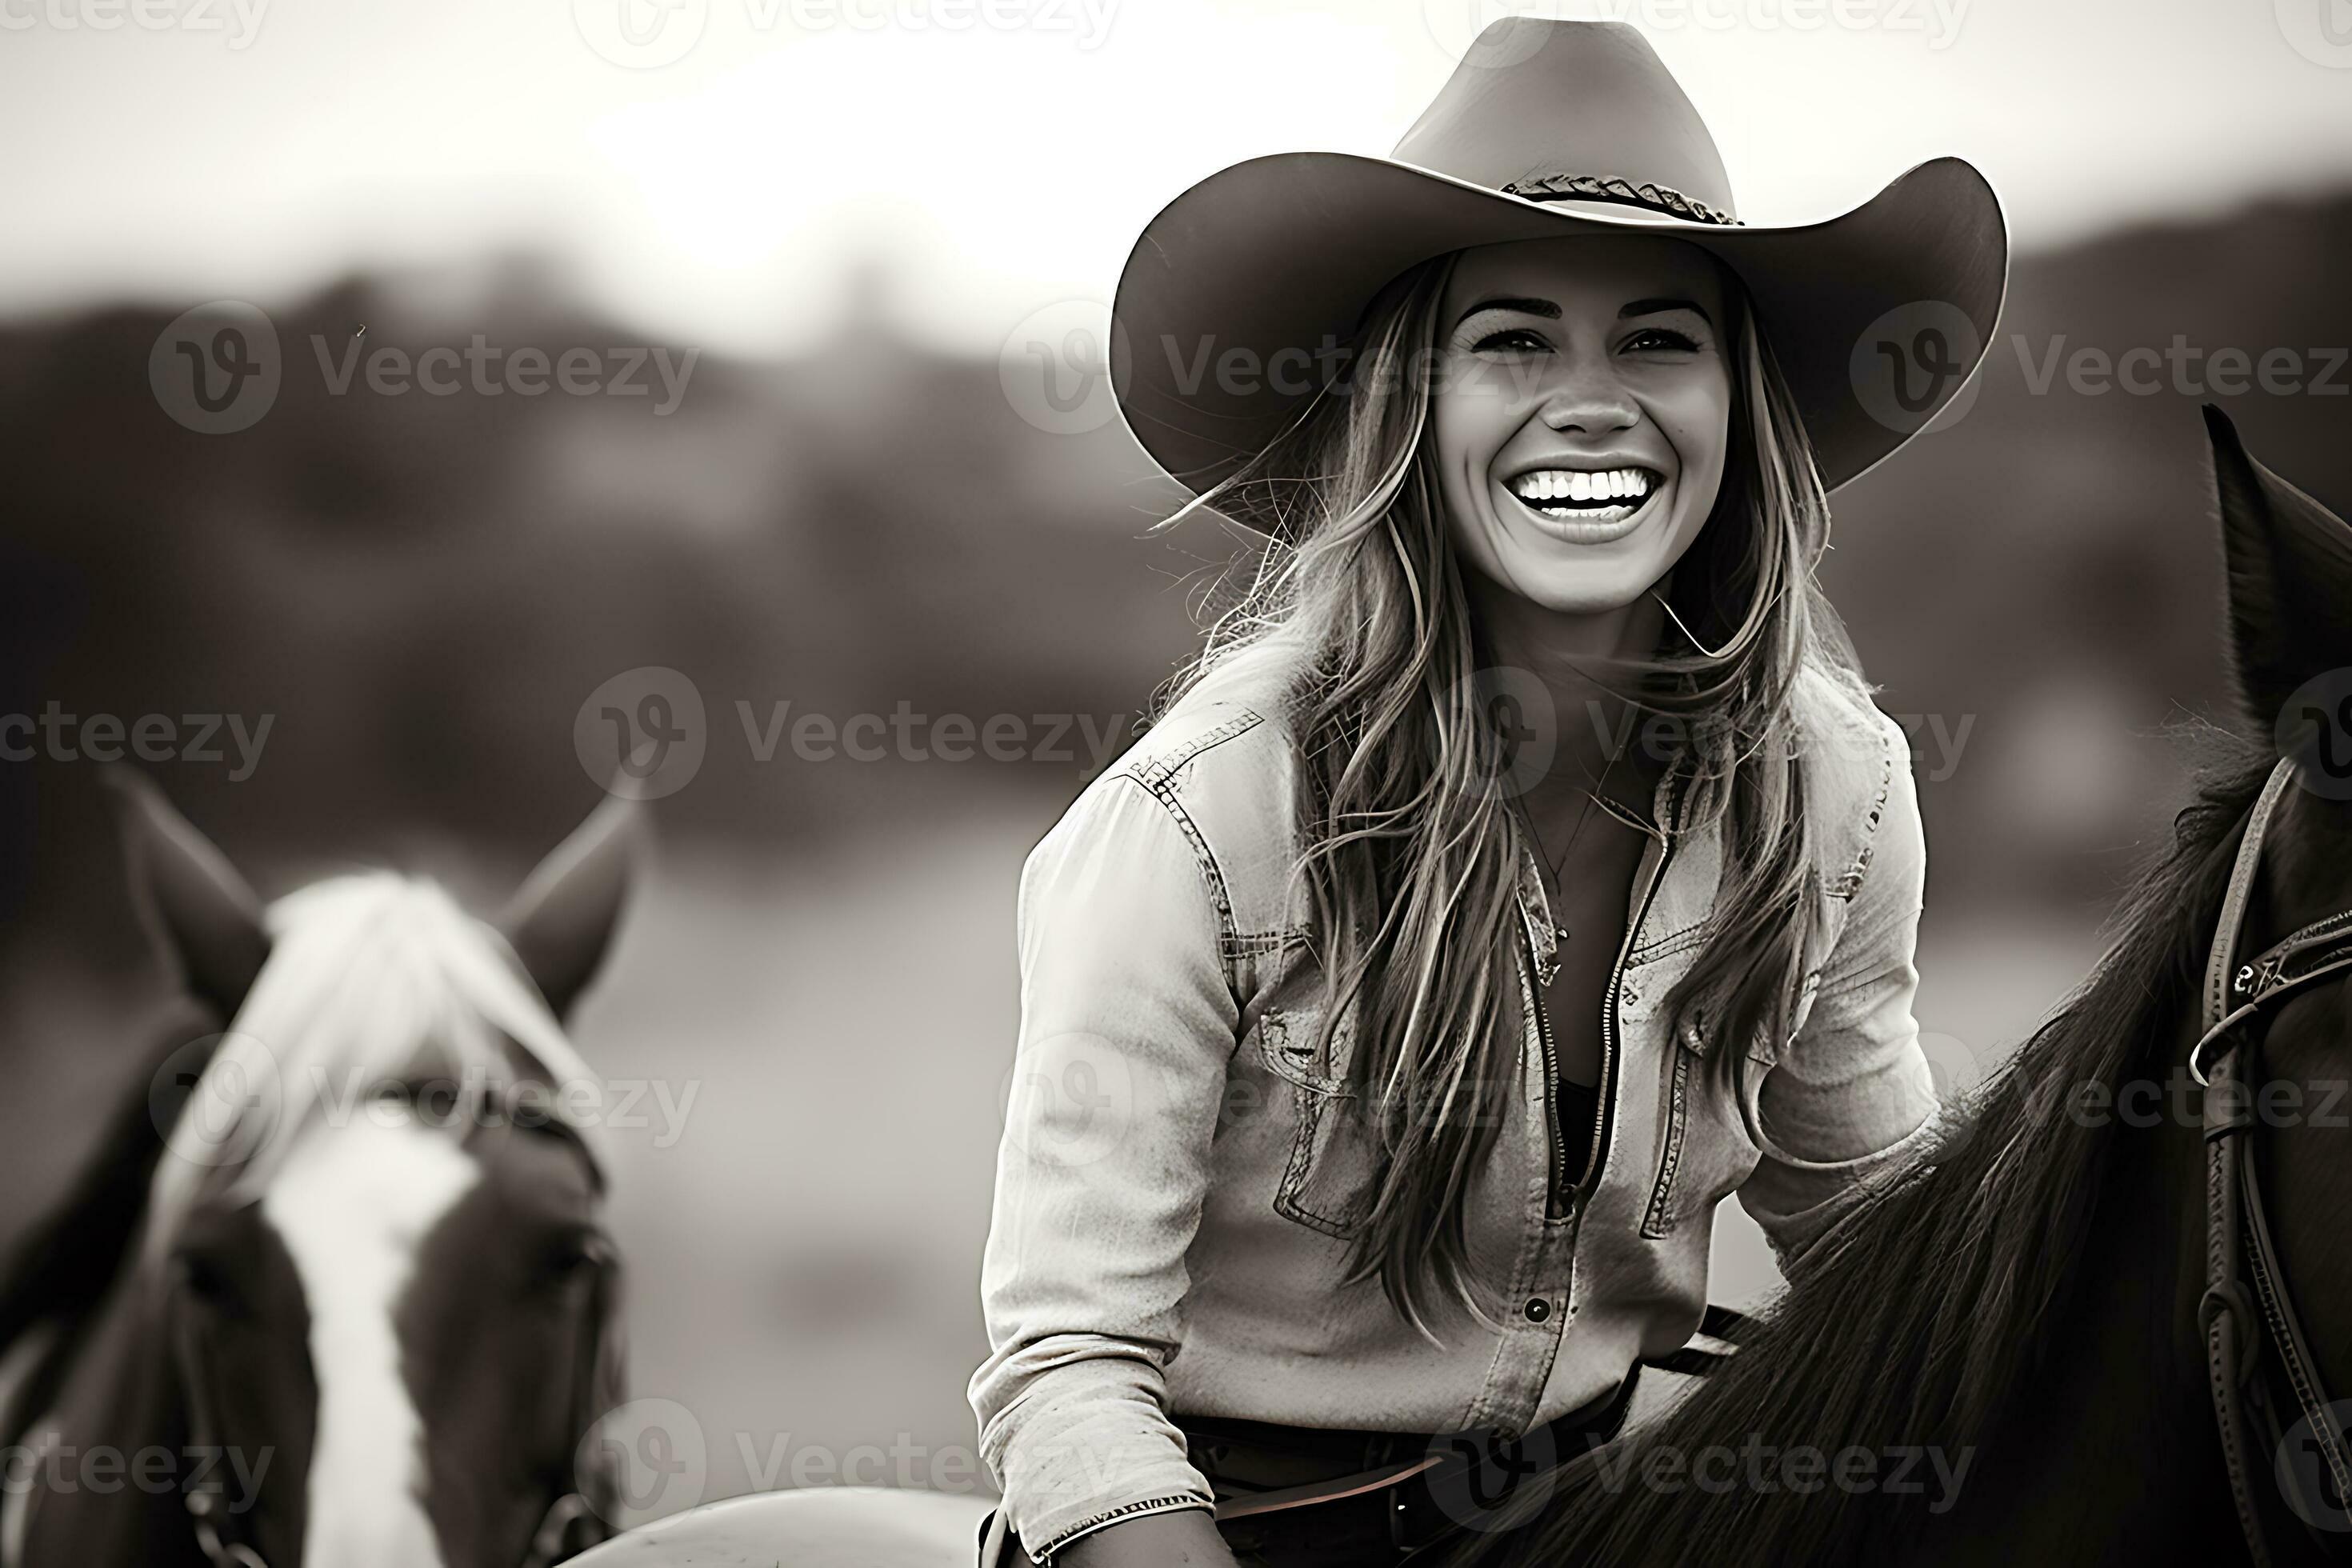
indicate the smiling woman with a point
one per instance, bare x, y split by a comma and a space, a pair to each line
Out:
1521, 1002
1583, 403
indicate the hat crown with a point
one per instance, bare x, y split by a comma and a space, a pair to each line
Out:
1537, 98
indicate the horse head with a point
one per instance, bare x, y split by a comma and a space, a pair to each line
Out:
370, 1292
2289, 562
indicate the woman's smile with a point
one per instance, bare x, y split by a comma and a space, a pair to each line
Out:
1588, 504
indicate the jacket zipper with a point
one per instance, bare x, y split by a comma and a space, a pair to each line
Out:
1556, 1204
1558, 1181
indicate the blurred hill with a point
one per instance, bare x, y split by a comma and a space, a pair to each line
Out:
423, 590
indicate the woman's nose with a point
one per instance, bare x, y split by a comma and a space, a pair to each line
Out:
1588, 402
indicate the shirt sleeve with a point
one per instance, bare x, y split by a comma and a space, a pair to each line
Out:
1851, 1102
1128, 1026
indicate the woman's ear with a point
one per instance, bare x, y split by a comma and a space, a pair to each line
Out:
201, 913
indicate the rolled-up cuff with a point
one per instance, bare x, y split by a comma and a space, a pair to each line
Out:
1070, 1464
1045, 1555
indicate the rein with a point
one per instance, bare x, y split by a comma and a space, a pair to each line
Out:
551, 1543
2237, 1229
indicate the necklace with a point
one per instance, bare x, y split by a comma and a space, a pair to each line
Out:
1591, 798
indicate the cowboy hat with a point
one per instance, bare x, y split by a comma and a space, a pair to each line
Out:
1235, 304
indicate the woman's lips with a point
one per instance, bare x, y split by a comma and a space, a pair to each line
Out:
1586, 506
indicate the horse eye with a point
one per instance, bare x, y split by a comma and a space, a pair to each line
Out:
573, 1257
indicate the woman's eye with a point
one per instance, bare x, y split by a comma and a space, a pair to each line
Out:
1512, 340
1655, 338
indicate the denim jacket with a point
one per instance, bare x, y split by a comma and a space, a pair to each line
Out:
1182, 1167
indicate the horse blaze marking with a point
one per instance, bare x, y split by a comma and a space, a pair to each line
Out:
352, 1211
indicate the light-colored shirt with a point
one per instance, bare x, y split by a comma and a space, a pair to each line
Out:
1183, 1166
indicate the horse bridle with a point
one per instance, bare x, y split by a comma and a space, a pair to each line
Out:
573, 1515
2238, 1242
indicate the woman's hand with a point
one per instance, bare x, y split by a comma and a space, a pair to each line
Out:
1185, 1539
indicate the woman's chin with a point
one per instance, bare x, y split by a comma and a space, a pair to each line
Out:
1587, 580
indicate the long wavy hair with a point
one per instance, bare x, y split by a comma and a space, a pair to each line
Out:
1356, 605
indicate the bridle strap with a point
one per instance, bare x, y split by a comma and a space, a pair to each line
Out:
2233, 995
207, 1516
552, 1543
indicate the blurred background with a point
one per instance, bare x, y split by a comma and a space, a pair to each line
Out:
830, 276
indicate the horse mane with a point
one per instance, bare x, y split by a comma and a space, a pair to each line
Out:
1913, 1320
374, 979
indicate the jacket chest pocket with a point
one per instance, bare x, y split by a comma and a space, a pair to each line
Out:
1703, 1149
1326, 1184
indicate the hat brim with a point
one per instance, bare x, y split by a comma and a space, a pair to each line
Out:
1239, 284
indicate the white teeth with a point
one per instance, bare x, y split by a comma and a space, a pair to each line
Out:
1589, 485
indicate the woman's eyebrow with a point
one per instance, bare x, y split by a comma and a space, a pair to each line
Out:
1658, 307
1544, 308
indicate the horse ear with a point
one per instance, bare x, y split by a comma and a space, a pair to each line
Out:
562, 919
201, 911
2289, 560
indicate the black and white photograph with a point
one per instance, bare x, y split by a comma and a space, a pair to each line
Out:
1175, 784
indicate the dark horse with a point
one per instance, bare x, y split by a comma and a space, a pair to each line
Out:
333, 1288
2002, 1359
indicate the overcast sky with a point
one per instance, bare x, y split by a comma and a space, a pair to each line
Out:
999, 155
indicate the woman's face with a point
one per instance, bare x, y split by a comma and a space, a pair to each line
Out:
1581, 413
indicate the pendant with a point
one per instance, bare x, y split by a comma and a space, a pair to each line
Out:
1559, 934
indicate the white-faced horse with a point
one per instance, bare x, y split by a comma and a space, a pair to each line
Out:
333, 1290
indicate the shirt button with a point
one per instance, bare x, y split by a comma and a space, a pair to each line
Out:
1539, 1310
